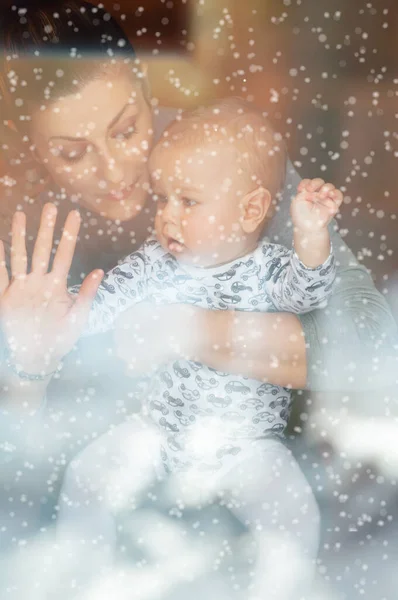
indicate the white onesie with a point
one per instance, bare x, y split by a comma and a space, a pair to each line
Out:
206, 416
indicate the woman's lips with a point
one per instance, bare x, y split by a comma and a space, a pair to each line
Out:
119, 195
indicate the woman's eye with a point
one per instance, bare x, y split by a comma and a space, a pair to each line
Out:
126, 134
73, 156
160, 199
189, 203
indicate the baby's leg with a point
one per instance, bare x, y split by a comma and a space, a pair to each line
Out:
268, 492
110, 475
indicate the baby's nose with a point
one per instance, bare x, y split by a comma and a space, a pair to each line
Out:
171, 212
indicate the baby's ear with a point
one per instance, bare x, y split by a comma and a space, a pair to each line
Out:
255, 206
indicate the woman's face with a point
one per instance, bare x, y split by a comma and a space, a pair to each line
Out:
96, 143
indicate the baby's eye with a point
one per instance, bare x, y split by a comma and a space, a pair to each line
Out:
188, 202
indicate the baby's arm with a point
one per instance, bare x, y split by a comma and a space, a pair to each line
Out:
292, 286
304, 280
312, 209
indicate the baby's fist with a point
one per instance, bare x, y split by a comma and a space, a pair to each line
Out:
315, 205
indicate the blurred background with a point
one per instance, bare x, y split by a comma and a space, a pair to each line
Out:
326, 71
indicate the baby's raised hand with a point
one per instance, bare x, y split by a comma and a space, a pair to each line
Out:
315, 205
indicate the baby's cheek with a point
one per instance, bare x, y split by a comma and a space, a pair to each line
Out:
216, 232
197, 231
208, 228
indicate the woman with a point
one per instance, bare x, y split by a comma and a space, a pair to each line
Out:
89, 125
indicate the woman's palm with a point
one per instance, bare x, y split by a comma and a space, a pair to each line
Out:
40, 320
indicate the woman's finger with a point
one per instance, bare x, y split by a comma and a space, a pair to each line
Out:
4, 279
18, 246
44, 241
64, 255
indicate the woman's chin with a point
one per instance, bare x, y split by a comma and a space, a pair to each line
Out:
126, 210
118, 210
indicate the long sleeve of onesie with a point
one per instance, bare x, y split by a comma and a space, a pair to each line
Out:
292, 286
121, 288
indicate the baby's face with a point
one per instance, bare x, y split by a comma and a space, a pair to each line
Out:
199, 192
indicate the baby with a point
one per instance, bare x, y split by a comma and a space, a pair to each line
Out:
216, 173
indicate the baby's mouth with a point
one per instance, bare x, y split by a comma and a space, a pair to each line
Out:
175, 246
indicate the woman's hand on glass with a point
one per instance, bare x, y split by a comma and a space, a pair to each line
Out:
39, 319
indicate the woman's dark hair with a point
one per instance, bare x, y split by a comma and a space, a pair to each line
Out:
53, 27
50, 48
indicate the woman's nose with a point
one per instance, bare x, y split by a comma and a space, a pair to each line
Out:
113, 171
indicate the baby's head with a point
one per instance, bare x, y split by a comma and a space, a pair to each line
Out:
216, 173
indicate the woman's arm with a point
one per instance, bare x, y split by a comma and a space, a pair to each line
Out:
350, 345
266, 346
